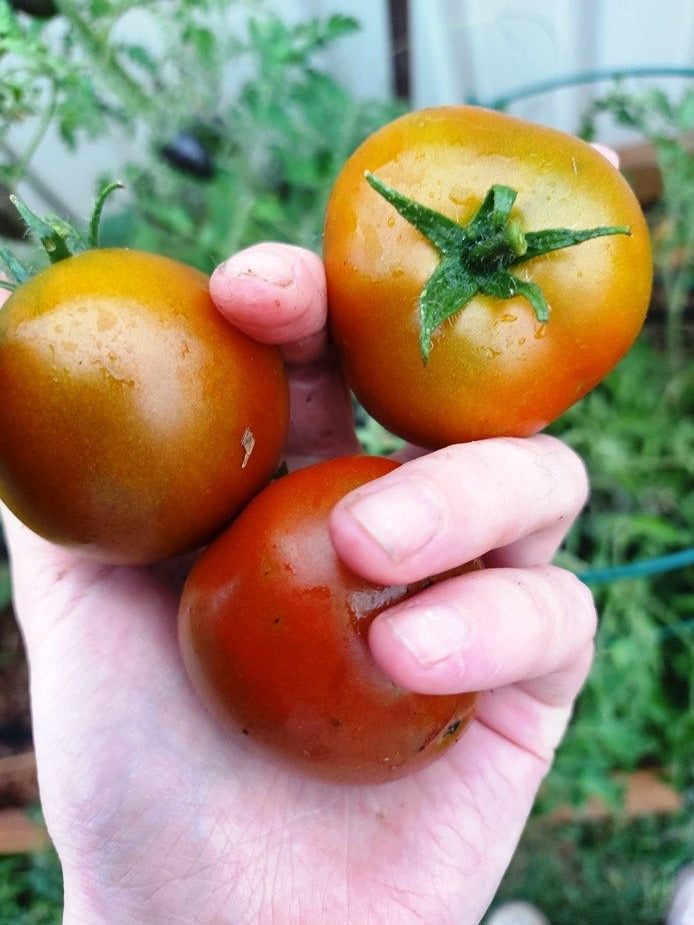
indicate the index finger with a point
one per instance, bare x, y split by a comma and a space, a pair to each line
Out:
276, 293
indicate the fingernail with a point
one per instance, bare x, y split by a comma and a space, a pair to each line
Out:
401, 518
266, 265
430, 634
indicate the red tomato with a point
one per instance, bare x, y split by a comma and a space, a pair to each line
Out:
463, 327
273, 629
134, 420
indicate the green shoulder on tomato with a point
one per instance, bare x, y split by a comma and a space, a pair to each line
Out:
135, 422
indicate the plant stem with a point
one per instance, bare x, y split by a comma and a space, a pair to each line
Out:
17, 171
104, 58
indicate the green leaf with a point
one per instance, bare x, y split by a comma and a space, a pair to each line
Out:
477, 255
44, 232
686, 112
5, 584
554, 239
17, 271
448, 289
503, 285
58, 239
445, 234
338, 25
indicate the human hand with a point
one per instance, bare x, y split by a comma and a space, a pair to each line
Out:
158, 816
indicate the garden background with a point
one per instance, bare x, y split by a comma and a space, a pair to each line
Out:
238, 139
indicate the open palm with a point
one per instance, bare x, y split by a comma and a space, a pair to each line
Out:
158, 816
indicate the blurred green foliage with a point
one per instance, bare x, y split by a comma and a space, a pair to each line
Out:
31, 889
636, 433
242, 131
667, 122
601, 872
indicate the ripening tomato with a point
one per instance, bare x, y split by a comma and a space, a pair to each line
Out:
134, 421
483, 273
273, 629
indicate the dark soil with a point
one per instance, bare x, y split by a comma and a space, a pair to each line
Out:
17, 771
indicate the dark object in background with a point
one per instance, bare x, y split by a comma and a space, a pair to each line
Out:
186, 152
400, 46
11, 223
15, 734
42, 9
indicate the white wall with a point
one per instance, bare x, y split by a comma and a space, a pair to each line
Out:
483, 49
480, 50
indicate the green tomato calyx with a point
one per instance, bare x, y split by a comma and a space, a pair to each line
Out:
476, 257
58, 237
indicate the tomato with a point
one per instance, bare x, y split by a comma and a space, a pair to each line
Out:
451, 322
134, 421
273, 629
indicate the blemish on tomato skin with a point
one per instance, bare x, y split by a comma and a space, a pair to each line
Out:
247, 444
449, 735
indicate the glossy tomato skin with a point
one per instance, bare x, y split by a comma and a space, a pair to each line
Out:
273, 630
493, 369
134, 420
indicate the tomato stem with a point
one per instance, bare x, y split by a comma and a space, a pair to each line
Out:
97, 211
58, 237
476, 257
